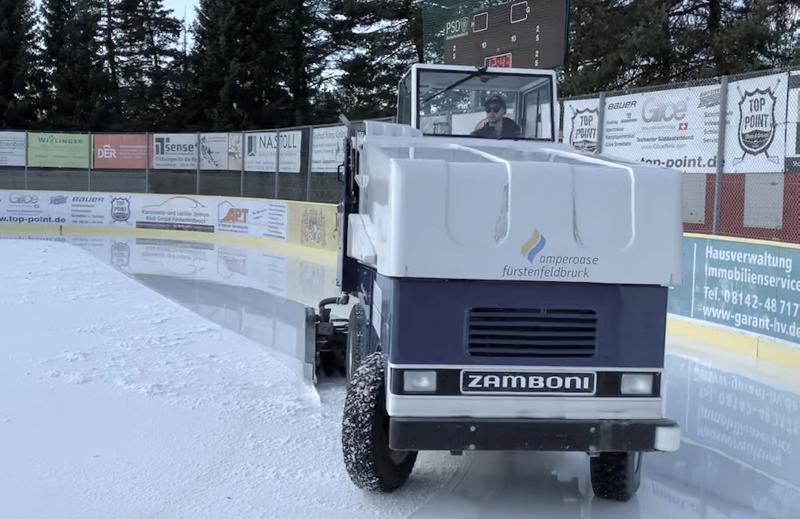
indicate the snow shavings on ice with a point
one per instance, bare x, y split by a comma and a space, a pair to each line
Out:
117, 402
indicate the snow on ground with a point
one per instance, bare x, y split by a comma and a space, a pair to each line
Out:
117, 402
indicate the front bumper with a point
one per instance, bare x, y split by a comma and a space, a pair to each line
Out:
459, 434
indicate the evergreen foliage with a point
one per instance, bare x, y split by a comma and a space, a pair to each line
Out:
124, 65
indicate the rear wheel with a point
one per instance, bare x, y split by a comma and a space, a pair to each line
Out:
370, 463
616, 475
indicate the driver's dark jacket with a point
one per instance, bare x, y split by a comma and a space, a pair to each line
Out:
511, 130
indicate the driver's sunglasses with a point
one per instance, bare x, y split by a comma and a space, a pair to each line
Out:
496, 109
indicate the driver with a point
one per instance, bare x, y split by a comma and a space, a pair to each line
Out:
496, 125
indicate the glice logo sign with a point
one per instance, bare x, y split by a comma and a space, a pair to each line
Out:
24, 199
654, 111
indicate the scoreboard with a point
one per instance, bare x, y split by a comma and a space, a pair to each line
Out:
522, 34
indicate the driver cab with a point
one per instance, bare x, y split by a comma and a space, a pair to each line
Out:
494, 103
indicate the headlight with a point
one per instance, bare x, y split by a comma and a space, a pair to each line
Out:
419, 382
637, 384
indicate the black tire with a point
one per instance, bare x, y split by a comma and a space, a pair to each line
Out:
616, 475
357, 337
370, 463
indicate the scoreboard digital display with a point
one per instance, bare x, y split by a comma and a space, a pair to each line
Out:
522, 34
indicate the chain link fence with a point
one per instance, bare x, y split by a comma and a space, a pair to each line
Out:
736, 138
296, 163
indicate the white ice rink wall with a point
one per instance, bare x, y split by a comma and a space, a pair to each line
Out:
738, 294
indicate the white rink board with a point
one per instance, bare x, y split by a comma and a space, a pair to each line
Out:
670, 128
212, 214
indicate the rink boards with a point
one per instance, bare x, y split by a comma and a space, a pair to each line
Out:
737, 294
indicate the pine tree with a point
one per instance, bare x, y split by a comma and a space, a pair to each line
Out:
148, 47
76, 85
240, 65
17, 58
379, 40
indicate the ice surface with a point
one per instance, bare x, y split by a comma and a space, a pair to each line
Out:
118, 401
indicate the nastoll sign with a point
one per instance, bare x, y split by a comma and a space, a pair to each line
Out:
757, 122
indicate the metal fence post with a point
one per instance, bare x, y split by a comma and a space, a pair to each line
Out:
147, 162
721, 135
601, 122
242, 144
89, 168
27, 159
197, 172
277, 160
309, 163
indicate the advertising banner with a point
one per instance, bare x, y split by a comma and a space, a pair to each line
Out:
251, 217
793, 125
58, 150
12, 149
174, 151
62, 208
675, 128
314, 225
262, 150
327, 149
756, 131
176, 213
291, 144
747, 286
581, 120
235, 151
120, 151
214, 151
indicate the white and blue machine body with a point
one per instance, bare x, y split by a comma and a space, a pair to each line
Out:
516, 287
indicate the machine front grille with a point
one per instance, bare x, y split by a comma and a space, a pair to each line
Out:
531, 332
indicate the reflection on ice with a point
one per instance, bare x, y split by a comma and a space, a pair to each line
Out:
256, 292
740, 460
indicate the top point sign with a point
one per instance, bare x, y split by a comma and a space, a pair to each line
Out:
522, 34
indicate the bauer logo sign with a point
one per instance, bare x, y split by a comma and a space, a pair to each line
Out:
515, 382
